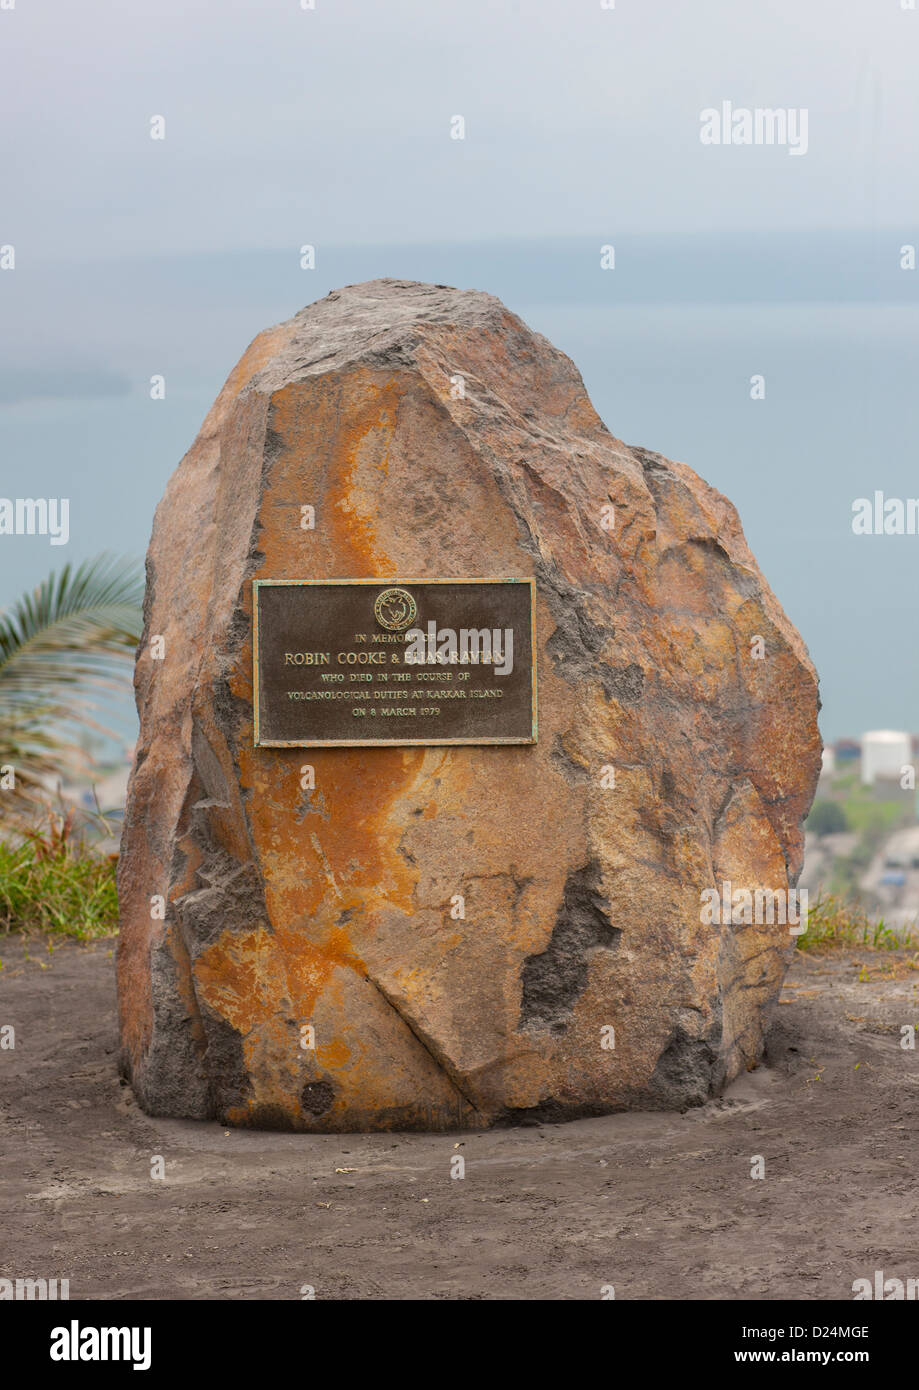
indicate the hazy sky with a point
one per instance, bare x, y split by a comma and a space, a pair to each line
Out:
332, 127
285, 125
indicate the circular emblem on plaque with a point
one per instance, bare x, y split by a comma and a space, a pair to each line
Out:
395, 609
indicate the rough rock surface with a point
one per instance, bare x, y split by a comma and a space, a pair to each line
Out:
332, 907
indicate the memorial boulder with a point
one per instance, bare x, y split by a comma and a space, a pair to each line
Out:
453, 708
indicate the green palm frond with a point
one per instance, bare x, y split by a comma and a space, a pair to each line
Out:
77, 624
68, 640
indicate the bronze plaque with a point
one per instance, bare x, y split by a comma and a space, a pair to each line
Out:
393, 661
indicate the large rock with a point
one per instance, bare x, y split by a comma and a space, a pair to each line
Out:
332, 907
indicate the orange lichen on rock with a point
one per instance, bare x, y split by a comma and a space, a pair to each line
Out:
309, 972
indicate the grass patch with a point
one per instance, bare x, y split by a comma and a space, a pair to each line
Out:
49, 884
834, 921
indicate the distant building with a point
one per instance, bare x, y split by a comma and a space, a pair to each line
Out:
884, 754
846, 750
828, 762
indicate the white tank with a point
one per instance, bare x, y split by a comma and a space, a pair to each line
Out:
884, 754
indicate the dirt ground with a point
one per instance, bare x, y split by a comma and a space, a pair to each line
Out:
660, 1206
